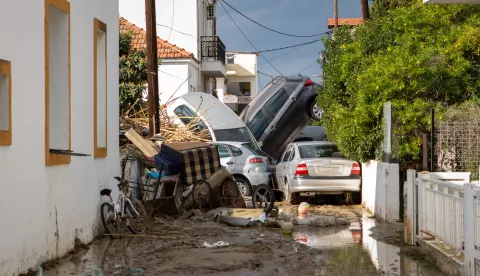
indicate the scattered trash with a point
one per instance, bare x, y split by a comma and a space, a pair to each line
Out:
40, 271
233, 221
135, 270
303, 208
287, 228
218, 244
321, 221
97, 272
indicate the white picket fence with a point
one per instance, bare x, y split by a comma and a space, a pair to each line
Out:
444, 207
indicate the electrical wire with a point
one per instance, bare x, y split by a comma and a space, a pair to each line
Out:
292, 46
173, 16
280, 56
267, 75
308, 67
177, 31
238, 27
270, 29
166, 73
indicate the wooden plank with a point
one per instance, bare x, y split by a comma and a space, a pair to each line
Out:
141, 144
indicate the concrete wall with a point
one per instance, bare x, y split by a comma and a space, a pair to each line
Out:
43, 209
380, 189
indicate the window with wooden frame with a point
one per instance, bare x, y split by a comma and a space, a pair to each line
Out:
5, 103
57, 81
100, 88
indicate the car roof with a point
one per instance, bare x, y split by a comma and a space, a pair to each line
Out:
218, 115
314, 143
232, 143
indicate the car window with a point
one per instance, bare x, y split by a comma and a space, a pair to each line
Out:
286, 155
275, 103
188, 116
235, 151
258, 124
223, 151
316, 151
292, 154
236, 135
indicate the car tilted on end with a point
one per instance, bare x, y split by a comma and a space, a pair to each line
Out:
311, 168
280, 111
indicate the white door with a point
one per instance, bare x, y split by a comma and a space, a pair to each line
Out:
226, 158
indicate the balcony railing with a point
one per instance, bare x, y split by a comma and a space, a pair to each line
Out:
233, 99
213, 49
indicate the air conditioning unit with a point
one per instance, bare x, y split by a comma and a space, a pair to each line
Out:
211, 10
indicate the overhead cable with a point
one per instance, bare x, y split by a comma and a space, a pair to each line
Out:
270, 29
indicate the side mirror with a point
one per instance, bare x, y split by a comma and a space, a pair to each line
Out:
274, 162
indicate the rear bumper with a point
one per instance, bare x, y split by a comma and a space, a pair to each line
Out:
257, 178
326, 185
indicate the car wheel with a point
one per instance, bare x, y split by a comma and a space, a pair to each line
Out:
243, 186
315, 112
288, 196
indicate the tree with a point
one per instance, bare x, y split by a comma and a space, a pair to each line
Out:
133, 76
416, 56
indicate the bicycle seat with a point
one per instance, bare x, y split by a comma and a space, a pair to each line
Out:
106, 192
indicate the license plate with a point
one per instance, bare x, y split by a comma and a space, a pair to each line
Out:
328, 170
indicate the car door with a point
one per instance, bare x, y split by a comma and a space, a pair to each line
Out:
281, 168
239, 159
291, 164
226, 158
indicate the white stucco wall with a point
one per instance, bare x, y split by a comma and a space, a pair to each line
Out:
173, 74
380, 189
44, 208
188, 18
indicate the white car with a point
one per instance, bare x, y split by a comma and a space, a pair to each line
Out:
222, 123
250, 168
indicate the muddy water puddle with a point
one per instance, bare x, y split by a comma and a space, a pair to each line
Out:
363, 248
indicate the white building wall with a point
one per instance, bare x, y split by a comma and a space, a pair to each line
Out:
173, 75
43, 209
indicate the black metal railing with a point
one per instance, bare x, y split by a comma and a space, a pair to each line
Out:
213, 48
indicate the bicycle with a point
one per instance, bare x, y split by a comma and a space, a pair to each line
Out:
128, 212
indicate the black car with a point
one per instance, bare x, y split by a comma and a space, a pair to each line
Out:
280, 111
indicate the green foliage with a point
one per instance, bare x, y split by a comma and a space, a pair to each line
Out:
133, 76
416, 56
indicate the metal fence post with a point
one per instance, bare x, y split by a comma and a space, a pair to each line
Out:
411, 220
469, 230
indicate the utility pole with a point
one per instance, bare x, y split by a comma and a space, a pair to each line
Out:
152, 67
365, 14
215, 45
335, 14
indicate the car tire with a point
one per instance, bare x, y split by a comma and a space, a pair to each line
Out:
243, 186
315, 111
289, 197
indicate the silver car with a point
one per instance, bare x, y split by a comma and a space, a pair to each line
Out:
248, 166
310, 168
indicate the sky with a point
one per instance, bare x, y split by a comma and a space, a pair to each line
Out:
298, 17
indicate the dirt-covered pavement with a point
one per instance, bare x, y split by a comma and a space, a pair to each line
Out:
176, 247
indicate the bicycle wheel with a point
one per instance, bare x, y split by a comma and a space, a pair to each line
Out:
108, 219
137, 224
263, 197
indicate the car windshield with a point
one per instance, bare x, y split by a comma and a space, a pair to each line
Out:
316, 151
253, 150
236, 135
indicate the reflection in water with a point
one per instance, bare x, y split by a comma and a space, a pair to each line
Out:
349, 247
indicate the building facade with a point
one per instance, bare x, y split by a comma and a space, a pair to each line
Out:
187, 25
241, 84
58, 95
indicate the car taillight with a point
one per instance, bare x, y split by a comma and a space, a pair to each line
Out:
355, 169
256, 160
301, 169
309, 82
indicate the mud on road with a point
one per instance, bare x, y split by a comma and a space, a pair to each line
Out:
175, 247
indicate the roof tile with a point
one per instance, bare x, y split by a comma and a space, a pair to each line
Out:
165, 49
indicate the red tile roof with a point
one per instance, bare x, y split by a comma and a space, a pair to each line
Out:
344, 21
165, 49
